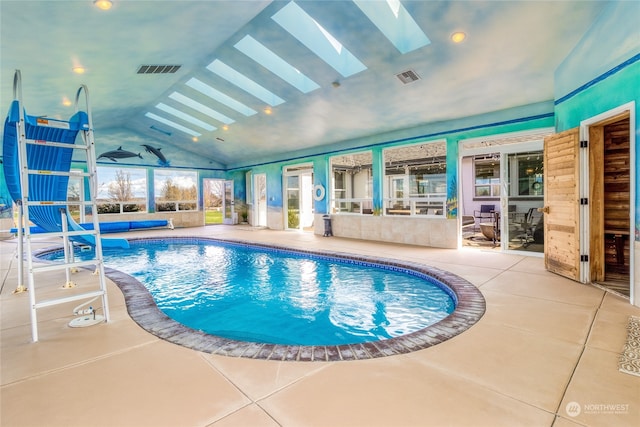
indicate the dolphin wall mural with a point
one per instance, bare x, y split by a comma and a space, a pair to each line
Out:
162, 160
118, 154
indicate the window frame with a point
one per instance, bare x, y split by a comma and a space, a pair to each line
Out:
421, 167
361, 162
492, 183
180, 203
124, 206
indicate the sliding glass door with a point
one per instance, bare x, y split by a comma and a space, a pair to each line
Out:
298, 188
501, 190
523, 195
228, 212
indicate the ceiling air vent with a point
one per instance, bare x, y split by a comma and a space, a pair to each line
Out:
158, 69
408, 76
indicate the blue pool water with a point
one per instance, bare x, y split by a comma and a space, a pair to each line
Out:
259, 294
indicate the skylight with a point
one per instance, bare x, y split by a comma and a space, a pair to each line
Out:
172, 124
243, 82
201, 108
311, 34
186, 117
393, 20
274, 63
220, 97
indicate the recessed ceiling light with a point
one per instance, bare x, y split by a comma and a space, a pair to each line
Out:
268, 111
194, 139
79, 69
103, 4
66, 101
225, 127
458, 37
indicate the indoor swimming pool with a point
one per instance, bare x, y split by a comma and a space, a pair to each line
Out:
279, 298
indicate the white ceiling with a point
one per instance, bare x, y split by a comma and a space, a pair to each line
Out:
508, 59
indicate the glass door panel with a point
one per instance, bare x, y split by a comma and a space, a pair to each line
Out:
227, 208
293, 202
299, 208
306, 201
260, 200
213, 201
522, 223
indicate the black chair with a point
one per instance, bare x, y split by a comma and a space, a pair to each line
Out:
485, 212
527, 227
496, 227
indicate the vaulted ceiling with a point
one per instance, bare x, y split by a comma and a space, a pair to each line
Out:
259, 79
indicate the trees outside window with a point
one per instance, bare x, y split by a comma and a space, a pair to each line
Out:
175, 190
122, 190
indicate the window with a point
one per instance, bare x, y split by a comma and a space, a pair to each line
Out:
351, 183
175, 190
121, 190
526, 171
415, 179
75, 193
487, 175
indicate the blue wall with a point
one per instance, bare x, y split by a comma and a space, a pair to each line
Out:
602, 73
512, 120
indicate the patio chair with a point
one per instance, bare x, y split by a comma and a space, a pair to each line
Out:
485, 212
526, 227
496, 227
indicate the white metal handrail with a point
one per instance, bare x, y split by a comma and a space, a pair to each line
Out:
25, 202
433, 204
353, 205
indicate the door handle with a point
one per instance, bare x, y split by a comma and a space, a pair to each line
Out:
544, 209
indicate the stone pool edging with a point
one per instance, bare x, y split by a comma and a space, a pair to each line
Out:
470, 307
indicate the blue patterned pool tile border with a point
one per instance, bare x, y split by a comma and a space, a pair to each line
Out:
470, 307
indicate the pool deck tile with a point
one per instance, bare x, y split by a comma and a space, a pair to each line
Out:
291, 353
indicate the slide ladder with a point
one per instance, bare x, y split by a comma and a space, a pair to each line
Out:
37, 169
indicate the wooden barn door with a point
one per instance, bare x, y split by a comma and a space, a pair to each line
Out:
562, 204
610, 203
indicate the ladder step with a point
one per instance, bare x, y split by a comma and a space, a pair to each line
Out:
51, 142
70, 233
52, 123
55, 144
54, 267
58, 202
57, 173
56, 301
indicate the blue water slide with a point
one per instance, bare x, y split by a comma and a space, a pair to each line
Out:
112, 227
46, 187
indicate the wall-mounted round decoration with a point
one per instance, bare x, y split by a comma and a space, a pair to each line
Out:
536, 186
318, 192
